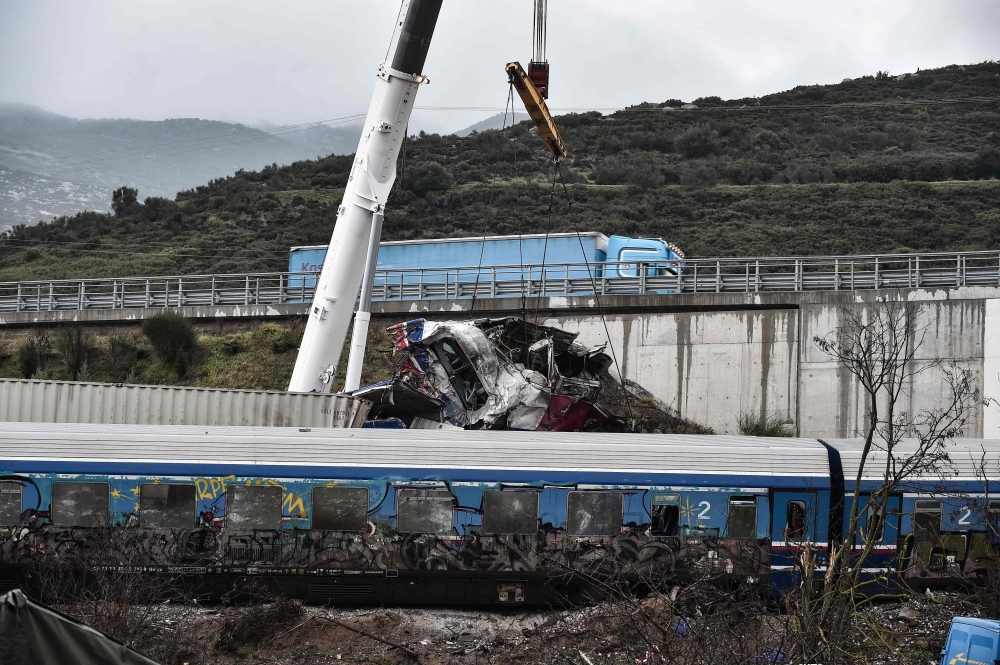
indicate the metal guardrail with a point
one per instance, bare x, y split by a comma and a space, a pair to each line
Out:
753, 275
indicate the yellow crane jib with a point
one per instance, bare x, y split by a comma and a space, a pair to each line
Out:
537, 109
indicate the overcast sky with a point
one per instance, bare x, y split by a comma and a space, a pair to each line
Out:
257, 61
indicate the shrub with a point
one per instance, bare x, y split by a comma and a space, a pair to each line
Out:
613, 171
173, 339
699, 177
243, 632
755, 423
429, 177
32, 353
815, 93
698, 141
767, 139
123, 354
711, 100
123, 200
74, 346
646, 176
805, 174
572, 177
905, 137
987, 165
880, 141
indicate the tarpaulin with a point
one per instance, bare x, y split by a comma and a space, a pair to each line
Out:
35, 634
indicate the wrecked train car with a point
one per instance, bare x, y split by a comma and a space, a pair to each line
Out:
368, 516
506, 374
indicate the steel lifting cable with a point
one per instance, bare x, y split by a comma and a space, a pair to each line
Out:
597, 296
545, 245
539, 30
482, 247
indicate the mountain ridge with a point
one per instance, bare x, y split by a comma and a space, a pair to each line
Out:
871, 165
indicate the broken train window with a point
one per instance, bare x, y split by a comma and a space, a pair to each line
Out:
461, 373
927, 517
340, 508
795, 520
511, 512
167, 505
665, 514
594, 513
742, 520
10, 504
80, 504
253, 507
425, 511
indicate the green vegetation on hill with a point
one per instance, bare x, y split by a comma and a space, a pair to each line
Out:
260, 357
871, 165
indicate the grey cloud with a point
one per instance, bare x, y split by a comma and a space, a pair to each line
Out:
258, 60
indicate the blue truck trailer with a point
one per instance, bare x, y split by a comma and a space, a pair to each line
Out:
477, 259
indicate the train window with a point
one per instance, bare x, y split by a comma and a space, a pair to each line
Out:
874, 531
10, 504
253, 507
514, 512
594, 513
425, 511
927, 520
795, 520
167, 505
340, 508
742, 522
80, 504
666, 509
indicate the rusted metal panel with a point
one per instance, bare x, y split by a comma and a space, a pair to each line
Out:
107, 403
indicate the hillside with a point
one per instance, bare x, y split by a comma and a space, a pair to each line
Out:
55, 163
877, 164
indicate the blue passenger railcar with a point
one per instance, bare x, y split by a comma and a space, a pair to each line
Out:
417, 516
943, 523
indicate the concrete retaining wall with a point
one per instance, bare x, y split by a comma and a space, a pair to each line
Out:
715, 356
715, 364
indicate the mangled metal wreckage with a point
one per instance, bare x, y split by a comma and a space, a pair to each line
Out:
503, 373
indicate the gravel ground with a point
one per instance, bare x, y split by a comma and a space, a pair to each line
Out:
914, 632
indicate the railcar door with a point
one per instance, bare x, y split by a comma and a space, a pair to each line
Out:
794, 527
881, 528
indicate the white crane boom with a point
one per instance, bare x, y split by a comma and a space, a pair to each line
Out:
371, 179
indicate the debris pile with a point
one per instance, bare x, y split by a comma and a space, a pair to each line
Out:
497, 374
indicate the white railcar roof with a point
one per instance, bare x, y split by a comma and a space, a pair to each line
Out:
277, 446
968, 459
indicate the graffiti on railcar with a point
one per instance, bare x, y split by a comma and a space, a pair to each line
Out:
286, 536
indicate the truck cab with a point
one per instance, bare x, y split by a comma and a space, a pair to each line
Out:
972, 642
626, 255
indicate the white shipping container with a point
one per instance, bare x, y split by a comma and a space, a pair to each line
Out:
111, 403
